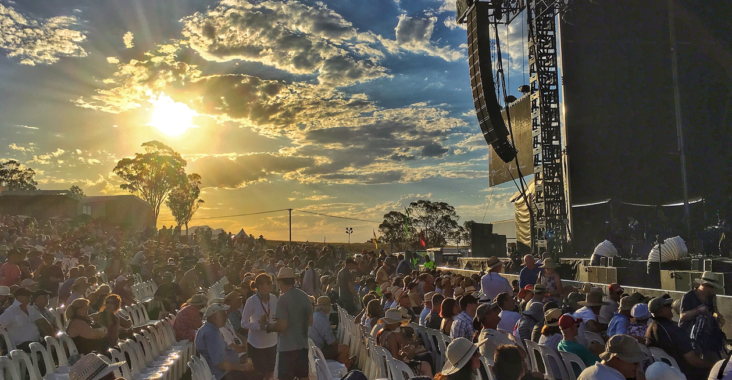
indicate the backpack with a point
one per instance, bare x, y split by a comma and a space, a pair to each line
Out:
705, 335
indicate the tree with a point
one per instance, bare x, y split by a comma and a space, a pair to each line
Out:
183, 201
152, 175
14, 176
438, 220
392, 230
465, 232
76, 192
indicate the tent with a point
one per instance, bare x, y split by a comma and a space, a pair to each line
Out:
241, 233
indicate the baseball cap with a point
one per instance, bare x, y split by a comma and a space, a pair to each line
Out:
539, 288
216, 307
657, 303
484, 309
566, 321
640, 311
624, 347
574, 297
615, 288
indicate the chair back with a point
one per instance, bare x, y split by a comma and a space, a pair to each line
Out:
572, 361
661, 355
68, 344
8, 369
594, 337
26, 368
8, 344
124, 370
37, 350
485, 371
400, 370
553, 363
534, 351
53, 346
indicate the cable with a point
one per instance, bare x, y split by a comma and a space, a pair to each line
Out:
487, 204
339, 217
231, 216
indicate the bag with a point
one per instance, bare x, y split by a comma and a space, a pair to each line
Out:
705, 335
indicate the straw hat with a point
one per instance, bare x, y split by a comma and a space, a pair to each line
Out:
4, 291
198, 300
27, 283
324, 301
459, 353
399, 293
470, 289
458, 292
626, 303
493, 262
586, 288
549, 263
286, 272
80, 281
92, 367
707, 278
214, 308
394, 316
539, 289
624, 347
593, 299
552, 317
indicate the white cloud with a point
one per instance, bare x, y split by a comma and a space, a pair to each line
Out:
415, 34
39, 41
128, 39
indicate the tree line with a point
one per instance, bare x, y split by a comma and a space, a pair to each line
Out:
157, 176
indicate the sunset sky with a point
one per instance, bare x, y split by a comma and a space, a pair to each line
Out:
345, 107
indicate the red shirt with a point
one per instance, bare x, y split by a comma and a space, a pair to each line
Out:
187, 321
10, 274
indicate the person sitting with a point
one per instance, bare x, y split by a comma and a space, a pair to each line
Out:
449, 309
39, 302
222, 360
374, 312
188, 319
588, 314
620, 361
80, 330
508, 315
397, 343
78, 290
322, 334
463, 324
551, 335
509, 363
433, 319
570, 305
570, 328
488, 316
109, 318
169, 293
463, 360
525, 326
427, 303
665, 334
525, 295
98, 296
540, 293
23, 323
621, 320
402, 299
639, 323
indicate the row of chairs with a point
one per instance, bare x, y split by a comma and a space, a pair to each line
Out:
144, 291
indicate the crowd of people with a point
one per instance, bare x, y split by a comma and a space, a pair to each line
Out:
276, 300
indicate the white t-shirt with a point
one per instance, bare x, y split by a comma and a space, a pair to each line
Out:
21, 326
253, 311
608, 311
495, 339
550, 341
587, 315
508, 320
493, 284
600, 372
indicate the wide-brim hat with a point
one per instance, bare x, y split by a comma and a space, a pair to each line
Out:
198, 300
493, 262
324, 301
428, 297
394, 316
539, 288
593, 299
286, 272
211, 310
92, 367
549, 263
624, 347
4, 291
707, 278
459, 353
470, 289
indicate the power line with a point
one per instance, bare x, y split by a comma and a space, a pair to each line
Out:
334, 216
231, 216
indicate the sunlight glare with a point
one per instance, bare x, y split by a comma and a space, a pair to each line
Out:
170, 117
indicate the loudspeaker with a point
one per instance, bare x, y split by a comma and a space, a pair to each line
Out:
481, 82
484, 243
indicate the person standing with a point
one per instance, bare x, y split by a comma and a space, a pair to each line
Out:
310, 280
293, 318
492, 283
10, 271
529, 273
347, 295
261, 345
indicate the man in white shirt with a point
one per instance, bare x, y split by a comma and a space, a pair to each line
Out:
509, 317
310, 280
22, 321
492, 283
488, 315
620, 361
427, 308
615, 292
588, 314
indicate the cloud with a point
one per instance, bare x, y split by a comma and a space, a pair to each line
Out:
24, 149
241, 170
25, 126
434, 150
318, 197
414, 34
128, 39
37, 41
290, 36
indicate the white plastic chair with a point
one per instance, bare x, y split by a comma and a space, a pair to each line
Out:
53, 346
37, 350
400, 370
8, 369
534, 351
487, 369
661, 355
9, 345
552, 363
337, 370
200, 369
570, 360
26, 368
594, 337
67, 344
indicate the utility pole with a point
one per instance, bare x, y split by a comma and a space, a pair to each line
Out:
679, 123
289, 210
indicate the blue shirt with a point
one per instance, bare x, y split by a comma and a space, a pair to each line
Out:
528, 276
320, 332
212, 347
618, 325
404, 268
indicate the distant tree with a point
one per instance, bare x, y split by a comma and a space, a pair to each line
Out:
15, 176
77, 192
393, 232
152, 175
183, 201
465, 234
438, 220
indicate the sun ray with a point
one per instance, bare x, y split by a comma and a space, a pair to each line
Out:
170, 117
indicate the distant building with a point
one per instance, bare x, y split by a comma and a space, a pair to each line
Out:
127, 211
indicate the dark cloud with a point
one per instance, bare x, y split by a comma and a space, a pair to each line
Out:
401, 157
228, 172
434, 150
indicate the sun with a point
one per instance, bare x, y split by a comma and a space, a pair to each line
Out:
170, 117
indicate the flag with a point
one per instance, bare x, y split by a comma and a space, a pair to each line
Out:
375, 240
422, 242
406, 221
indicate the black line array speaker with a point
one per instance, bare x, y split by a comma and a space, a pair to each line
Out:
484, 243
481, 82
